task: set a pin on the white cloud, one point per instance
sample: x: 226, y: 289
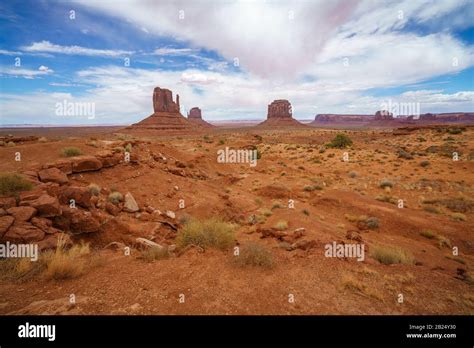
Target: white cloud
x: 46, y: 46
x: 168, y: 51
x: 25, y: 73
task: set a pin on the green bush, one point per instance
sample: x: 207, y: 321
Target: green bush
x: 71, y: 151
x: 115, y: 197
x: 11, y: 184
x: 340, y: 141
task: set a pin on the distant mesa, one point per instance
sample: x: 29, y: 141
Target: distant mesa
x: 385, y: 118
x: 195, y: 117
x: 280, y: 114
x: 383, y: 115
x: 166, y: 114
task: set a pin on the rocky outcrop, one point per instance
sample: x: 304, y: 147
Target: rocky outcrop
x: 322, y: 119
x: 166, y: 115
x: 195, y: 112
x: 279, y: 108
x: 195, y: 117
x: 280, y: 115
x: 53, y: 174
x: 383, y: 115
x: 163, y: 101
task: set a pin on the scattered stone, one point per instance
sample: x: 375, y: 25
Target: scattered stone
x: 170, y: 214
x: 46, y: 205
x: 85, y: 164
x: 22, y: 214
x: 23, y: 232
x: 112, y: 209
x: 80, y: 195
x: 53, y: 175
x: 5, y: 223
x: 77, y: 221
x: 7, y: 202
x: 148, y: 243
x: 130, y: 205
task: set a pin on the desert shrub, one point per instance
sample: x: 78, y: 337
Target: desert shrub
x: 305, y: 212
x: 66, y: 264
x: 94, y: 189
x: 42, y: 140
x: 390, y: 255
x: 71, y: 151
x: 458, y: 217
x: 424, y: 163
x: 207, y: 233
x: 322, y: 149
x: 350, y: 282
x: 353, y: 174
x: 428, y: 234
x: 458, y: 205
x: 253, y: 254
x: 432, y: 210
x: 276, y: 206
x: 115, y: 197
x: 154, y: 253
x: 372, y: 223
x: 12, y: 183
x: 267, y: 212
x: 310, y: 188
x: 386, y: 199
x: 281, y: 225
x: 340, y: 141
x: 385, y: 183
x: 128, y: 148
x: 221, y: 141
x: 404, y: 154
x: 454, y: 130
x: 443, y: 242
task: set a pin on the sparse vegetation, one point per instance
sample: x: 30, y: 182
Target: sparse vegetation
x: 390, y: 255
x: 71, y: 151
x: 115, y: 197
x: 458, y: 217
x: 254, y: 254
x: 66, y: 264
x: 207, y: 233
x: 428, y: 234
x: 94, y: 189
x: 281, y: 225
x: 424, y: 163
x: 385, y: 183
x: 340, y: 141
x: 154, y: 253
x: 11, y: 184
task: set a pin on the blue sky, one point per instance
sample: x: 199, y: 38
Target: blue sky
x: 232, y: 58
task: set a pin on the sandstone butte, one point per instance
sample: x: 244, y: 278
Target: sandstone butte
x: 195, y: 117
x: 280, y: 115
x: 166, y: 114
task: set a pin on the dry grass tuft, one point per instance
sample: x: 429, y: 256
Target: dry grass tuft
x: 207, y: 233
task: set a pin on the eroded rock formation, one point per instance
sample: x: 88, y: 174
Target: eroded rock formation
x: 195, y: 116
x: 280, y: 114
